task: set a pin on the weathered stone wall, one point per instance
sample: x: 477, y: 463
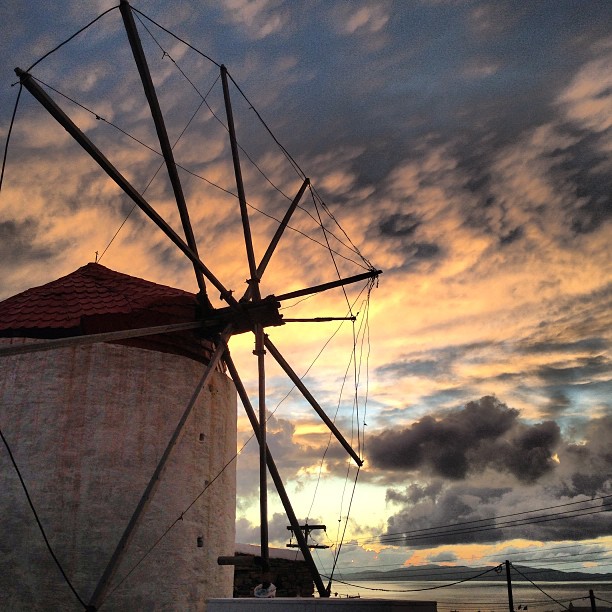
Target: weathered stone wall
x: 87, y: 427
x: 291, y: 578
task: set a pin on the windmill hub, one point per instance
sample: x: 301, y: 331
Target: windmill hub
x: 244, y: 316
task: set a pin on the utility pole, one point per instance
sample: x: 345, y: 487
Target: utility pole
x: 592, y: 598
x: 509, y: 582
x: 307, y: 529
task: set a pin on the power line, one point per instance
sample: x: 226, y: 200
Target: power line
x: 357, y: 369
x: 425, y: 532
x: 338, y: 404
x: 300, y: 172
x: 157, y: 171
x: 177, y: 37
x: 195, y: 174
x: 433, y: 588
x: 537, y: 587
x: 585, y: 501
x: 504, y: 525
x: 71, y: 37
x: 8, y: 136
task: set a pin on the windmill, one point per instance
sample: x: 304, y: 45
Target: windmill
x: 251, y: 313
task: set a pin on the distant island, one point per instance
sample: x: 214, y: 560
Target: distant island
x: 463, y: 572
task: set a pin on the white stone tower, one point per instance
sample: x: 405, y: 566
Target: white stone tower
x: 87, y: 426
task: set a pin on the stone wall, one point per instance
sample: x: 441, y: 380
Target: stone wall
x: 291, y: 578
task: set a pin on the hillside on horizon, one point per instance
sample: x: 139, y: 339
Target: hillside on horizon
x: 463, y: 572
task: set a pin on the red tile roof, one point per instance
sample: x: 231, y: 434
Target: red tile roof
x: 91, y: 291
x: 94, y: 299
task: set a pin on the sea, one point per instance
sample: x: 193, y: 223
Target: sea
x: 483, y: 596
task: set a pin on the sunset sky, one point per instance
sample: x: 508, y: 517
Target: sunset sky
x: 465, y: 147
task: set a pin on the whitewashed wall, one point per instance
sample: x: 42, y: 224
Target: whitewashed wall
x: 87, y: 427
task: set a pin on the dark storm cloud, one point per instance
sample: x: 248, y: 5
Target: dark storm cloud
x: 452, y: 506
x: 576, y: 160
x: 582, y: 477
x: 587, y: 465
x: 415, y: 493
x: 402, y: 229
x: 438, y: 362
x: 580, y: 171
x: 277, y: 530
x: 587, y: 526
x: 392, y: 114
x: 589, y: 168
x: 584, y: 344
x: 444, y: 557
x: 423, y: 250
x: 512, y: 236
x: 418, y: 367
x: 488, y: 515
x: 528, y: 454
x: 283, y: 450
x: 587, y: 369
x: 399, y: 225
x: 486, y: 433
x: 558, y: 402
x: 246, y: 532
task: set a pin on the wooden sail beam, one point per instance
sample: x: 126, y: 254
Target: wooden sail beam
x: 162, y: 133
x: 319, y: 319
x: 60, y: 116
x: 278, y: 482
x: 244, y: 214
x: 55, y: 343
x: 263, y: 472
x: 325, y: 286
x: 265, y: 260
x: 255, y: 295
x: 134, y: 522
x: 244, y: 317
x: 311, y: 400
x: 49, y: 345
